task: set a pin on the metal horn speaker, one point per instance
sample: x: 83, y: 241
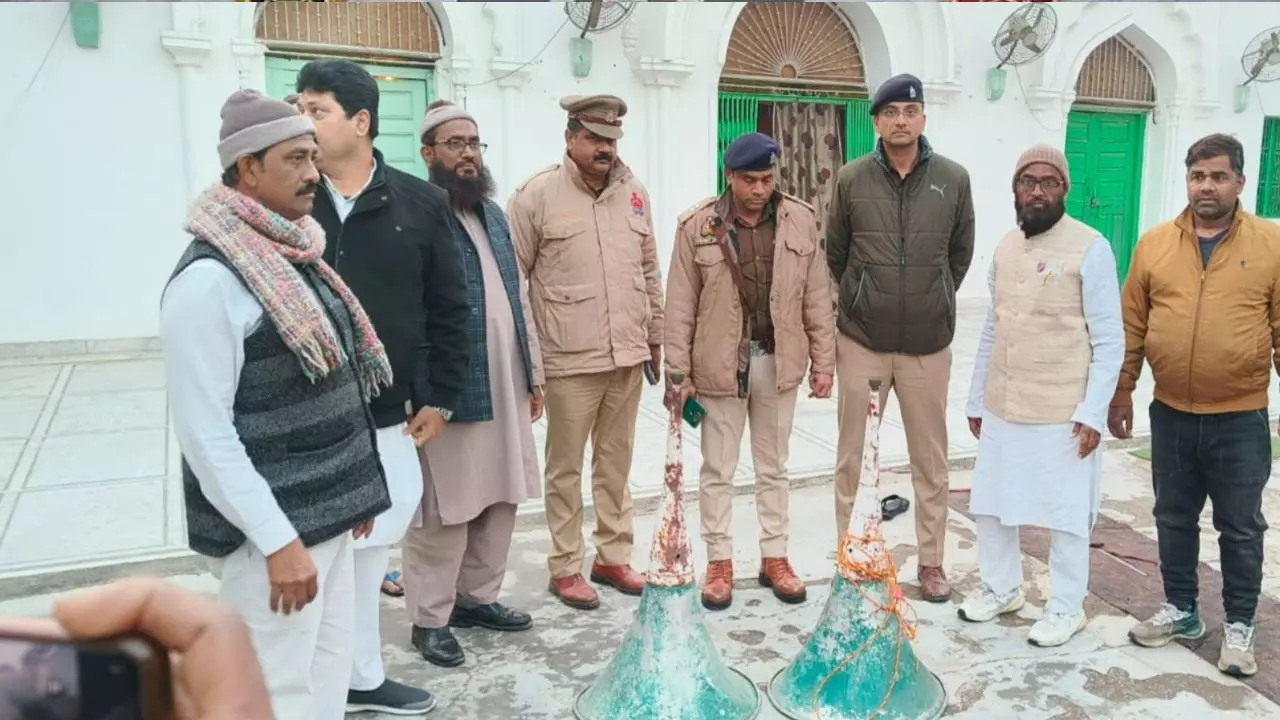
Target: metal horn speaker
x: 667, y: 667
x: 860, y: 663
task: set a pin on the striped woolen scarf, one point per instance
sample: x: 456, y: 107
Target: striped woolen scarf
x: 264, y: 248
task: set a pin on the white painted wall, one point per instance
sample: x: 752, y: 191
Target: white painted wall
x: 97, y: 147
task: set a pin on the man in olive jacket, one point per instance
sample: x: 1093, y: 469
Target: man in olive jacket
x: 899, y: 241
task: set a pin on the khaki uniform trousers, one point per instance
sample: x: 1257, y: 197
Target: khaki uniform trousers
x: 770, y: 414
x: 920, y: 383
x: 602, y: 407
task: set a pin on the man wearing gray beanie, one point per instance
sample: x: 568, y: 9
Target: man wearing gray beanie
x: 271, y: 362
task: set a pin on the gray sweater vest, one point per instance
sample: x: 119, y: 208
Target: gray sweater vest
x: 314, y: 443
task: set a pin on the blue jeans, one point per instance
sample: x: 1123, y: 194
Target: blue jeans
x: 1224, y: 457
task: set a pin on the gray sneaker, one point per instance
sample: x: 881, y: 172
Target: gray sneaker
x: 1168, y: 624
x: 1236, y: 657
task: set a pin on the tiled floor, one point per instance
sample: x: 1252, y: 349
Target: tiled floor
x: 989, y: 670
x: 85, y: 449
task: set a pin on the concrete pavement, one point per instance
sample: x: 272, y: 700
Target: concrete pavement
x: 990, y: 671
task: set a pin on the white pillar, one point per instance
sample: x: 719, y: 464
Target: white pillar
x: 510, y: 75
x: 661, y: 77
x: 250, y: 58
x: 457, y: 70
x: 188, y: 48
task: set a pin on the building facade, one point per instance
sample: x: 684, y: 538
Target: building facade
x: 111, y: 123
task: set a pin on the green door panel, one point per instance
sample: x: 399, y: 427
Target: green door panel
x: 404, y: 93
x: 860, y: 131
x: 1268, y: 205
x: 740, y: 113
x: 1104, y: 150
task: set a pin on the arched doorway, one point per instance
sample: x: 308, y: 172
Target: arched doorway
x: 398, y: 43
x: 1106, y: 134
x: 794, y: 71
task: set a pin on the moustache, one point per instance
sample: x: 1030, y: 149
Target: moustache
x: 308, y: 189
x: 603, y: 157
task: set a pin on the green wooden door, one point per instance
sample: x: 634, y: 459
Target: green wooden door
x: 1104, y: 150
x: 860, y: 130
x: 740, y: 114
x: 404, y: 93
x: 1269, y: 170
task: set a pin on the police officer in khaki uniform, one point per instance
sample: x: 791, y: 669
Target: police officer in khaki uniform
x: 583, y: 234
x: 748, y: 313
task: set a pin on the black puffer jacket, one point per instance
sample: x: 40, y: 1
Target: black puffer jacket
x: 899, y: 248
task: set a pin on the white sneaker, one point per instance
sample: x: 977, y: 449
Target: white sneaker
x: 1237, y: 650
x: 1056, y: 629
x: 987, y: 605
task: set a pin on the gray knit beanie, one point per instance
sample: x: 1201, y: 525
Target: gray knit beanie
x: 252, y: 121
x: 1047, y: 155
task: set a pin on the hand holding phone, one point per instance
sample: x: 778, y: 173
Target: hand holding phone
x: 107, y: 656
x: 650, y: 376
x: 693, y: 412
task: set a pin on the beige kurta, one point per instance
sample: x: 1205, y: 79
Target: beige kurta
x: 473, y: 465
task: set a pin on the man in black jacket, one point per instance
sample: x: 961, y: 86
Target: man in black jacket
x: 391, y: 238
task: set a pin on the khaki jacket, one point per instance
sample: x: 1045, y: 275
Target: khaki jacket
x: 592, y: 263
x: 704, y: 308
x: 1210, y: 334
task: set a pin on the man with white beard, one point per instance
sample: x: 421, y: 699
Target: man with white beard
x: 1046, y: 368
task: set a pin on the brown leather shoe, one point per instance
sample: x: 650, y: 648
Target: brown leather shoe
x: 717, y: 593
x: 776, y: 573
x: 619, y: 577
x: 575, y: 592
x: 934, y: 587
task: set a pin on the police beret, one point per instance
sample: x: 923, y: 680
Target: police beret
x: 899, y: 88
x: 751, y: 152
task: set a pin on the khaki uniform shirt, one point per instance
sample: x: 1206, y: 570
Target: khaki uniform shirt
x: 594, y: 280
x: 705, y: 310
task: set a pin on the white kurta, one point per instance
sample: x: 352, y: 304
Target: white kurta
x: 1032, y: 474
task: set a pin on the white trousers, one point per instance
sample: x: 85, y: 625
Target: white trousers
x: 1000, y: 563
x: 306, y: 655
x: 404, y: 482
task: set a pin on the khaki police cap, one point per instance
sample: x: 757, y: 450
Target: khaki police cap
x: 601, y: 114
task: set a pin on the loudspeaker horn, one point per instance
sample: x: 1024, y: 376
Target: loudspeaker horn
x: 667, y: 667
x: 860, y: 663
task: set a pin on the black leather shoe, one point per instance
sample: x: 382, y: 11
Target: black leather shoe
x: 494, y: 616
x: 438, y: 646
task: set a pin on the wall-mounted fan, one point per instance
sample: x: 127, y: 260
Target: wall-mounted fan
x: 596, y: 16
x: 1261, y: 62
x: 1022, y: 37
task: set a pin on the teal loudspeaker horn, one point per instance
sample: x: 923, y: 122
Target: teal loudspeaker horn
x: 859, y: 664
x: 667, y: 667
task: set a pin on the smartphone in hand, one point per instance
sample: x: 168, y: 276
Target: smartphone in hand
x: 650, y: 375
x: 694, y: 412
x: 125, y: 678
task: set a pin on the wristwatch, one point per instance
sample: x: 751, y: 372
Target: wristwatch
x: 446, y: 414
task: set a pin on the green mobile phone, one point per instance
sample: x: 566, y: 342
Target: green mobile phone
x: 694, y: 412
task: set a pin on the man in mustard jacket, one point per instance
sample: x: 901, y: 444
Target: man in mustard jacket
x: 1201, y: 305
x: 748, y: 312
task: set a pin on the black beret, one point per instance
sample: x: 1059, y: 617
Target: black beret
x: 899, y: 88
x: 751, y: 152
